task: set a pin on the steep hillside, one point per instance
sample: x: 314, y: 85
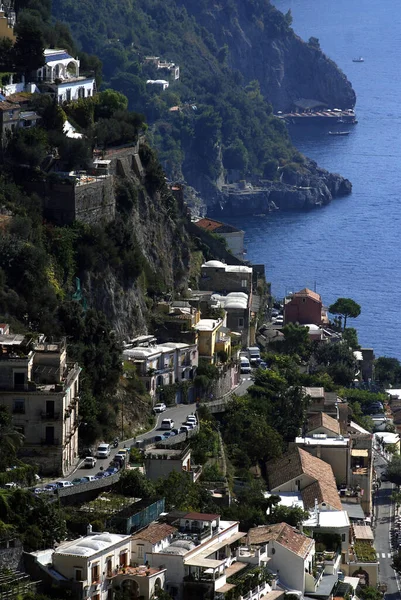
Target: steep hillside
x: 236, y: 58
x: 263, y: 46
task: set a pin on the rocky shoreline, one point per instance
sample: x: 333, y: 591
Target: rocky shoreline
x: 304, y: 190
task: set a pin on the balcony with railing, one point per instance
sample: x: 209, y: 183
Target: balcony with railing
x: 49, y: 416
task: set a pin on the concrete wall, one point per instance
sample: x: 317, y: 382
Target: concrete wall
x: 229, y: 378
x: 10, y: 554
x: 95, y: 202
x: 219, y: 280
x: 63, y: 203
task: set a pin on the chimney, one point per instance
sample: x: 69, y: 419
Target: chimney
x: 89, y: 529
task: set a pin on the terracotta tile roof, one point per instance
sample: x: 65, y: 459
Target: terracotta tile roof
x: 299, y: 462
x: 195, y: 516
x: 8, y: 106
x: 22, y: 97
x: 323, y: 420
x: 155, y: 532
x: 307, y: 293
x: 283, y: 534
x: 216, y: 226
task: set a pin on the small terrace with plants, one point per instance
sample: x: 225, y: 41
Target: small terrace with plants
x: 326, y: 562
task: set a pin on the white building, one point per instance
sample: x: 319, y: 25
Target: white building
x: 291, y: 554
x: 162, y: 83
x: 94, y: 565
x: 203, y: 554
x: 60, y: 76
x: 160, y: 365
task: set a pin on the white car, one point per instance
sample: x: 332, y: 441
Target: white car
x: 167, y: 424
x: 103, y: 451
x: 90, y: 462
x: 63, y: 484
x: 159, y: 408
x: 192, y: 419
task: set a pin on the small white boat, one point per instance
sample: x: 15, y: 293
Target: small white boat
x: 339, y: 132
x: 360, y: 59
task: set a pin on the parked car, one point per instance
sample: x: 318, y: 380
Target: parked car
x: 38, y: 491
x: 103, y: 451
x: 262, y: 365
x: 112, y: 470
x: 245, y: 365
x: 50, y: 487
x: 100, y: 475
x: 88, y: 478
x: 167, y: 424
x: 184, y: 428
x: 77, y: 480
x: 159, y: 408
x: 160, y: 438
x: 90, y: 462
x: 63, y: 484
x: 190, y: 425
x: 175, y: 431
x: 192, y: 419
x: 278, y: 320
x: 11, y: 485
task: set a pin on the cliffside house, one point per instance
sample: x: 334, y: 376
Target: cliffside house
x: 160, y: 365
x: 178, y: 322
x: 219, y: 277
x: 41, y: 390
x: 12, y: 116
x: 305, y: 307
x: 233, y: 236
x: 96, y: 566
x: 238, y: 314
x: 212, y: 338
x: 60, y: 77
x: 167, y: 67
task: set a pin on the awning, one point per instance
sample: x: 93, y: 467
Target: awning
x: 363, y: 532
x: 354, y: 510
x: 226, y: 542
x: 201, y: 561
x: 358, y: 452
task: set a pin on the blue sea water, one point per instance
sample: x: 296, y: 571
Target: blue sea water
x: 352, y: 247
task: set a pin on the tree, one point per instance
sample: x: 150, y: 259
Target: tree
x: 296, y: 341
x: 294, y: 515
x: 388, y: 370
x: 346, y: 308
x: 393, y: 471
x: 314, y: 42
x: 397, y: 561
x: 30, y: 43
x: 10, y: 439
x: 134, y: 483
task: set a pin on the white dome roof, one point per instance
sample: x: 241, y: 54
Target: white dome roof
x: 214, y: 263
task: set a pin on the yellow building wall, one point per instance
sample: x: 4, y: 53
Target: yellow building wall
x: 5, y: 30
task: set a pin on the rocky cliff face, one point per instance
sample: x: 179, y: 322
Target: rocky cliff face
x: 163, y: 241
x: 307, y: 189
x: 261, y: 46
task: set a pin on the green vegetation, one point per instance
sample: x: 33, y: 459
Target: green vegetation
x: 222, y: 121
x: 365, y: 552
x: 345, y: 308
